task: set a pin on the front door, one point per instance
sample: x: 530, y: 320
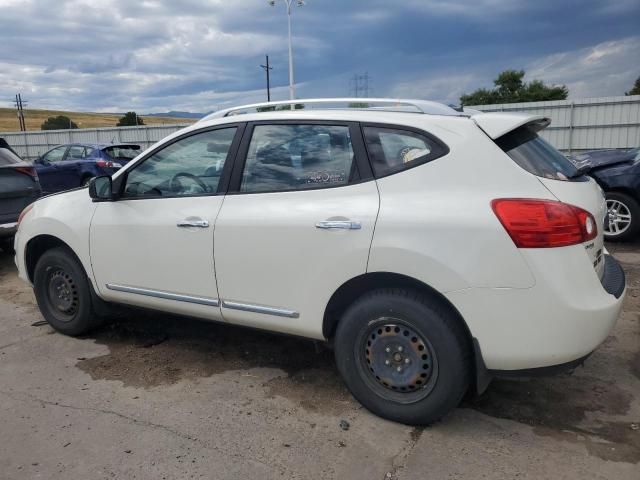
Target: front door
x: 49, y: 169
x: 154, y: 246
x: 298, y: 226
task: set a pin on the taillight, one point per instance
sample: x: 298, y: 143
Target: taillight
x: 544, y: 223
x: 104, y: 163
x: 31, y: 171
x: 24, y: 212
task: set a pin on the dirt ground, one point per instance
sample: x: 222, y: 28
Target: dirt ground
x: 163, y: 397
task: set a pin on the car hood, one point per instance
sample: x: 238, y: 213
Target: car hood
x: 604, y: 158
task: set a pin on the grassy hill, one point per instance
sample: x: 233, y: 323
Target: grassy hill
x: 35, y: 118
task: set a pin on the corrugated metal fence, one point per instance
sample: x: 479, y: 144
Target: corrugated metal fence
x: 584, y: 124
x: 30, y: 145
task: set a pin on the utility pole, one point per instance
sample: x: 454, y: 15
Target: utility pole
x: 20, y: 111
x: 360, y: 85
x: 266, y: 69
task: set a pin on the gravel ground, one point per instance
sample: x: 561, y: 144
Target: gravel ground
x: 157, y: 396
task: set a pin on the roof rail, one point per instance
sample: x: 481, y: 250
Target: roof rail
x: 388, y: 104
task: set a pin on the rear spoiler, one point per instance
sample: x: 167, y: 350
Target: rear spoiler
x: 497, y: 124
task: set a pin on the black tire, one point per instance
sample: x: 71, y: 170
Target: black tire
x: 6, y: 245
x: 63, y: 293
x: 633, y: 208
x: 441, y: 343
x: 85, y: 180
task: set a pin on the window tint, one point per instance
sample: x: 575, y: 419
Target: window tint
x: 190, y: 166
x: 55, y: 155
x: 535, y: 155
x: 298, y: 157
x: 75, y: 152
x: 392, y: 150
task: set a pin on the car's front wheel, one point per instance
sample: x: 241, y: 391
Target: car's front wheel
x: 63, y: 293
x: 403, y: 355
x: 623, y: 217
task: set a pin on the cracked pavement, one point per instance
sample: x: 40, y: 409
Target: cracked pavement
x: 154, y: 396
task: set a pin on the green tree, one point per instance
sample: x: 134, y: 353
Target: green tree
x: 510, y: 87
x: 130, y: 119
x: 636, y: 88
x: 61, y: 122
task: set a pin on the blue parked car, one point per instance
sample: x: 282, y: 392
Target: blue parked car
x: 71, y: 166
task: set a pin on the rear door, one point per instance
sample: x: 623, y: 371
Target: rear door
x: 297, y: 223
x: 48, y: 168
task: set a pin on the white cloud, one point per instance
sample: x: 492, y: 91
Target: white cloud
x: 609, y: 68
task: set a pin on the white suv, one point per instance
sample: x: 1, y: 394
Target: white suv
x: 432, y: 248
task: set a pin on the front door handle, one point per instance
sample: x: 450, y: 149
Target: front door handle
x: 194, y: 223
x: 343, y: 224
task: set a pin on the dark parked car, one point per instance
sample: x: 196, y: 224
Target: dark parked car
x: 19, y: 187
x: 70, y: 166
x: 618, y: 174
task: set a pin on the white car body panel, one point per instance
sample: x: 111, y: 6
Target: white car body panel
x: 136, y: 244
x: 270, y: 253
x: 527, y: 308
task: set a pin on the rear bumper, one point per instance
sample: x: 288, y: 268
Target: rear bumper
x: 566, y: 315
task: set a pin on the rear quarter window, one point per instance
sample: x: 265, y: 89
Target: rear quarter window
x: 393, y: 149
x: 536, y: 155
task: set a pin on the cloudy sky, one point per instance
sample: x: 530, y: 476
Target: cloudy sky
x: 200, y: 55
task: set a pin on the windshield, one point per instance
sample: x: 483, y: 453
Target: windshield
x: 536, y: 156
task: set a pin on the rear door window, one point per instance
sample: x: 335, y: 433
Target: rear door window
x: 298, y: 157
x: 394, y: 149
x: 536, y: 155
x: 76, y: 152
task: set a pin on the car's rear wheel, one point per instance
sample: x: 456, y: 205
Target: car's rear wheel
x: 63, y: 293
x: 623, y: 221
x: 85, y: 181
x: 6, y: 245
x: 403, y: 355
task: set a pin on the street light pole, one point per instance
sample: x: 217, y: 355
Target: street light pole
x: 292, y: 89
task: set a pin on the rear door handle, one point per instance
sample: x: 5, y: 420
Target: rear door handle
x: 193, y: 223
x: 343, y: 224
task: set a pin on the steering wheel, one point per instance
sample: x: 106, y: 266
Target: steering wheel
x: 174, y: 182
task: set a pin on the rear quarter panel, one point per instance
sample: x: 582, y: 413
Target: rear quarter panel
x: 436, y: 223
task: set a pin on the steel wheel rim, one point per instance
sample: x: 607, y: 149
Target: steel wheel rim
x: 619, y: 218
x: 62, y: 294
x: 397, y: 361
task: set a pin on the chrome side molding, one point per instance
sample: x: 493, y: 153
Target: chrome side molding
x: 212, y: 302
x: 246, y: 307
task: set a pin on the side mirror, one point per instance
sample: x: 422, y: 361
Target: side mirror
x: 101, y: 188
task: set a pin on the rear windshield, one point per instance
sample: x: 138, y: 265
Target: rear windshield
x: 536, y: 156
x: 7, y: 157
